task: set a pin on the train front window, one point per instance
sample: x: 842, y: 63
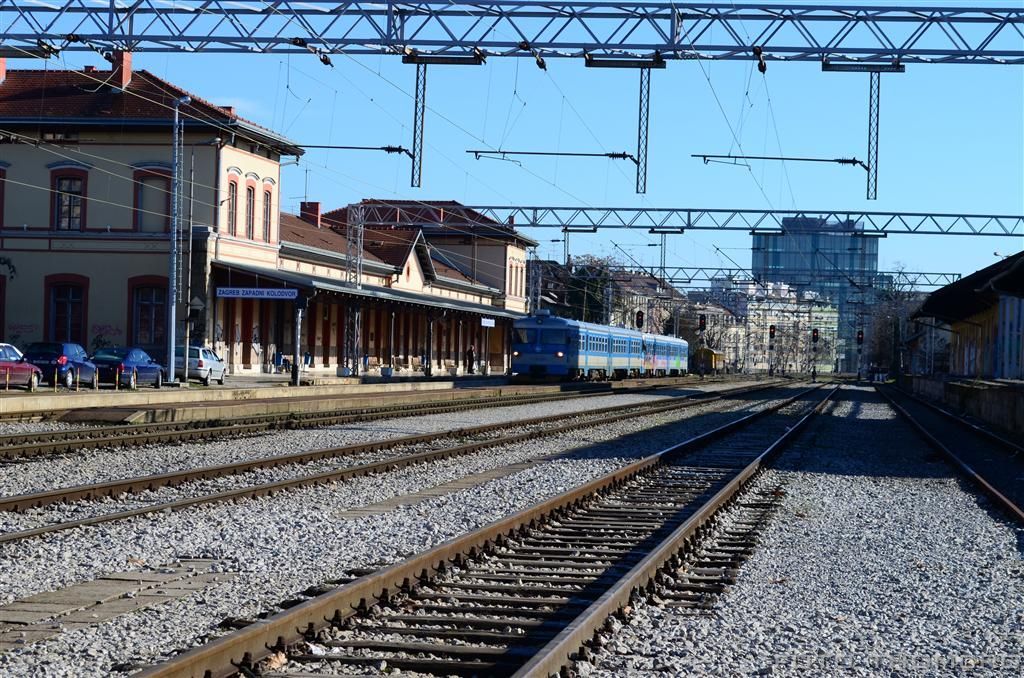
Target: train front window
x: 552, y: 337
x: 524, y: 336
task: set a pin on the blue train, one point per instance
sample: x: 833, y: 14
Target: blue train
x: 547, y: 346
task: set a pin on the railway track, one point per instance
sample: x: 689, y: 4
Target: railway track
x: 18, y: 446
x: 479, y: 438
x: 992, y: 462
x: 523, y: 596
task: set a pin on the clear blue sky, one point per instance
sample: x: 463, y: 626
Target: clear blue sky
x: 952, y: 140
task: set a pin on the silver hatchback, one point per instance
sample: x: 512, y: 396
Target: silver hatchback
x: 203, y: 364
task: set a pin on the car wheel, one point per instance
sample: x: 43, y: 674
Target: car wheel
x: 205, y: 379
x: 133, y: 382
x: 159, y: 379
x: 221, y: 380
x: 69, y: 380
x: 95, y: 380
x: 33, y: 383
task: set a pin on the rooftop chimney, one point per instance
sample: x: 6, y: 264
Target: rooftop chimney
x: 230, y: 110
x: 122, y: 68
x: 3, y: 69
x: 310, y: 213
x: 90, y: 69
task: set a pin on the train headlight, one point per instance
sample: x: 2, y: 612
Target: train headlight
x: 559, y: 354
x: 515, y: 354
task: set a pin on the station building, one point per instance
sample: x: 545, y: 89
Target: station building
x: 984, y: 312
x: 85, y: 226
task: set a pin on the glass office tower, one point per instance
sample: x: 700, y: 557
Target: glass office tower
x: 836, y: 260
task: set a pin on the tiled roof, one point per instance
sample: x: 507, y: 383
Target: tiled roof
x: 446, y: 270
x: 295, y: 230
x: 93, y: 97
x: 436, y: 217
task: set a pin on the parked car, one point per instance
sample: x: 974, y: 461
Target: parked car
x: 15, y: 371
x: 61, y: 362
x: 203, y: 364
x: 128, y: 366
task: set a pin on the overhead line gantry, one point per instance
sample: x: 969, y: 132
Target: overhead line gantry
x: 642, y: 35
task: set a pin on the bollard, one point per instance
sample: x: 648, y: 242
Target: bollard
x: 117, y: 378
x: 54, y: 379
x: 7, y: 385
x: 78, y: 375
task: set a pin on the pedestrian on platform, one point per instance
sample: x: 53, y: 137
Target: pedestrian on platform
x: 471, y: 358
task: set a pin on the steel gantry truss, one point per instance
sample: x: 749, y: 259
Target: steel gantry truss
x: 634, y: 34
x: 678, y: 220
x: 688, y: 275
x: 527, y: 28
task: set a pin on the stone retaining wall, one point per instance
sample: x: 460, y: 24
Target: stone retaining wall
x: 997, y: 404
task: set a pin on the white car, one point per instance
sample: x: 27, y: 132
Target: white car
x: 203, y: 364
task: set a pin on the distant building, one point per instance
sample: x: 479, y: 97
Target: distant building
x: 836, y: 260
x: 985, y: 313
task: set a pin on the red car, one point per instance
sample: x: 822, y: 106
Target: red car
x: 14, y: 371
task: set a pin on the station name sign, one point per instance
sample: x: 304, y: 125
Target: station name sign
x: 257, y: 293
x: 486, y: 322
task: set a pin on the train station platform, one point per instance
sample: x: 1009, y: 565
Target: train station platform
x: 259, y: 397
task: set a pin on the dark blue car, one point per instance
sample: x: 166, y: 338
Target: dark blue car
x: 128, y: 366
x: 63, y: 363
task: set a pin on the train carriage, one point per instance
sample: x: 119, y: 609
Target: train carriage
x: 546, y: 346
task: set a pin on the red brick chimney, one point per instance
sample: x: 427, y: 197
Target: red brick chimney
x: 230, y: 110
x: 310, y: 213
x: 3, y: 69
x: 122, y: 69
x: 90, y: 69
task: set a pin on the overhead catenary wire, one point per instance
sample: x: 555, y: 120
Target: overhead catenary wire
x: 214, y: 123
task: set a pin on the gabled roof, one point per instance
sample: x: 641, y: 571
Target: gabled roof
x: 978, y: 291
x: 83, y: 97
x: 434, y: 217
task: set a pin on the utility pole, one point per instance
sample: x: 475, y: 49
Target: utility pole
x: 172, y: 270
x: 354, y: 232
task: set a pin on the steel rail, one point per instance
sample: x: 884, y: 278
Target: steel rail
x: 246, y: 646
x: 955, y: 460
x: 559, y: 653
x: 113, y: 488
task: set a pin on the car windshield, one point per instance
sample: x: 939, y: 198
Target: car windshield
x: 524, y: 336
x: 44, y: 348
x: 111, y: 354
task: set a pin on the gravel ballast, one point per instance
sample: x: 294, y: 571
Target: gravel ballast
x: 284, y: 544
x: 879, y: 562
x: 95, y: 466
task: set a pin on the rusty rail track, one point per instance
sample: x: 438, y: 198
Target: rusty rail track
x: 526, y: 593
x: 986, y: 459
x: 131, y: 485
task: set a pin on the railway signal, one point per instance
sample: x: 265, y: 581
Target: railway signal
x: 702, y: 322
x: 860, y: 337
x: 771, y: 331
x: 814, y: 335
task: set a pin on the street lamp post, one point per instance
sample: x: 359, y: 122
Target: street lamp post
x: 172, y: 271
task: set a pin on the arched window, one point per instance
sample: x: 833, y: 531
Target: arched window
x: 66, y: 308
x: 232, y: 225
x: 149, y: 317
x: 250, y: 212
x: 68, y: 186
x: 152, y: 201
x: 267, y: 206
